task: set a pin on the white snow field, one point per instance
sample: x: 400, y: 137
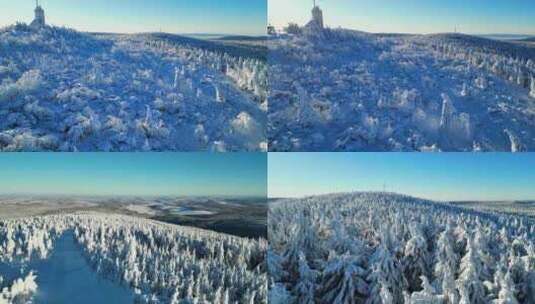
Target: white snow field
x: 93, y: 258
x: 387, y: 248
x: 344, y: 90
x: 63, y: 90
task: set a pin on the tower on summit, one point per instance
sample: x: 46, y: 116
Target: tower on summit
x: 317, y: 17
x: 39, y: 20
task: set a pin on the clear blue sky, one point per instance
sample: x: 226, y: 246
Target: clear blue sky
x: 182, y: 174
x: 448, y: 176
x: 414, y: 16
x: 247, y: 17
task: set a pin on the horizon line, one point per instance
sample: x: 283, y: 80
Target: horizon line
x: 143, y: 32
x: 411, y: 33
x: 399, y: 193
x: 135, y: 195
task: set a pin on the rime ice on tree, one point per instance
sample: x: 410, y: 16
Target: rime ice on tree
x: 442, y: 255
x: 39, y: 20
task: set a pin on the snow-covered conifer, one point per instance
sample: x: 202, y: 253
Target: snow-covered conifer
x: 470, y: 277
x: 306, y: 288
x: 416, y: 258
x: 343, y: 280
x: 372, y: 235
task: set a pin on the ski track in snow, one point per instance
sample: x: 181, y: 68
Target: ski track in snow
x: 61, y: 90
x: 342, y: 90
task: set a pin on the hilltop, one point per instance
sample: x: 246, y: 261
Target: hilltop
x: 388, y: 248
x: 345, y: 90
x: 63, y: 90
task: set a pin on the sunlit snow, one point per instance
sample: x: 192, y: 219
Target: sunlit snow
x: 344, y: 90
x: 62, y: 90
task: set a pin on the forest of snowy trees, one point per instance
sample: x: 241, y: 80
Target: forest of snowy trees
x: 62, y: 90
x: 20, y: 291
x: 345, y: 90
x: 513, y: 63
x: 383, y: 248
x: 161, y: 263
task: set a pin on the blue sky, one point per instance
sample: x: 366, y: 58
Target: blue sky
x: 448, y: 176
x: 247, y: 17
x: 414, y: 16
x: 183, y: 174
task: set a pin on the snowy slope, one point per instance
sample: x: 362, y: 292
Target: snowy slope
x: 388, y: 248
x: 352, y: 91
x: 70, y: 91
x: 160, y: 263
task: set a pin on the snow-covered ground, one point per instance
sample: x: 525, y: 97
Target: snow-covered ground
x: 62, y: 90
x: 141, y: 209
x: 189, y: 211
x: 159, y: 263
x: 387, y: 248
x: 343, y: 90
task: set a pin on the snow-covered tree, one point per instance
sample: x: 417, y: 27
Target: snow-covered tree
x: 385, y: 277
x: 428, y: 294
x: 507, y: 291
x: 162, y: 263
x: 278, y: 294
x: 416, y: 258
x: 306, y: 288
x: 343, y: 280
x: 470, y: 278
x: 21, y: 291
x: 377, y: 241
x: 446, y: 264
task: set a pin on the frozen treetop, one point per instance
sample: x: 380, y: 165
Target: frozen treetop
x: 379, y: 248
